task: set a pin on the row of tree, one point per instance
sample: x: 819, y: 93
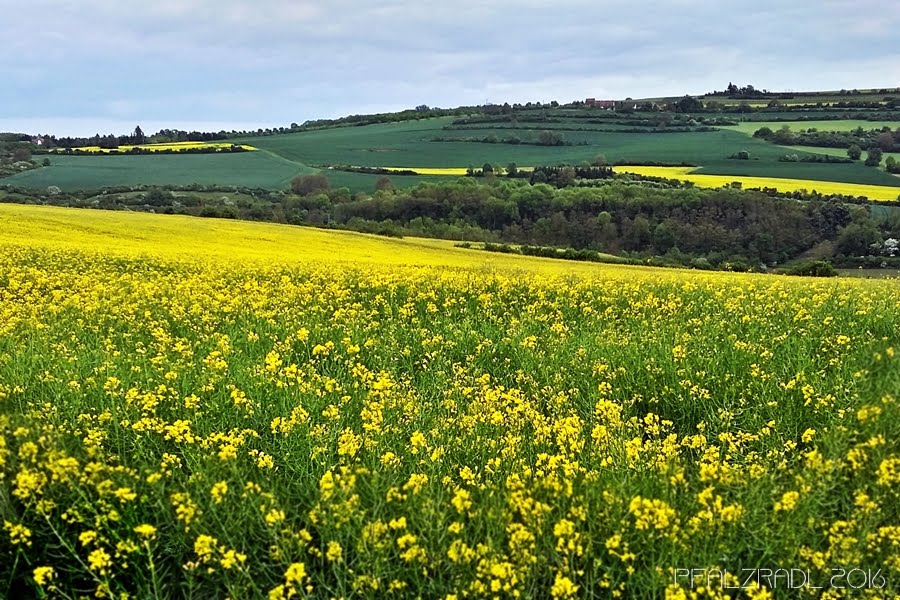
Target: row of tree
x: 614, y: 217
x: 883, y: 139
x: 617, y: 216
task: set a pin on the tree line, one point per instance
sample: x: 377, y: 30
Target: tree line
x: 616, y: 216
x: 623, y: 216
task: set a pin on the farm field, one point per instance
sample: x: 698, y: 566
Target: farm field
x: 142, y: 235
x: 251, y: 169
x: 280, y: 158
x: 261, y: 411
x: 836, y: 152
x: 409, y: 144
x: 176, y: 146
x: 826, y: 97
x: 703, y: 179
x: 749, y: 127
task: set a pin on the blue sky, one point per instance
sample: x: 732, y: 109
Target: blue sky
x: 78, y: 67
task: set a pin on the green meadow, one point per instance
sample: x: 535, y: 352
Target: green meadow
x: 414, y: 144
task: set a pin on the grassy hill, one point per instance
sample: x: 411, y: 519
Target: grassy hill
x: 704, y: 140
x: 251, y: 169
x: 174, y: 237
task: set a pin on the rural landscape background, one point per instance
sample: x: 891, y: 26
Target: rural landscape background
x: 635, y: 338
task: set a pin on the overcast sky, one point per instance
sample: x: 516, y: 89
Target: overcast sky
x: 79, y: 67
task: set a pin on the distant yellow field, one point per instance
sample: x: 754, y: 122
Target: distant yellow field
x: 163, y: 147
x: 450, y: 171
x: 873, y: 192
x: 175, y: 237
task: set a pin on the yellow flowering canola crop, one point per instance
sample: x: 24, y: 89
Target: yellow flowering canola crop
x: 206, y: 409
x: 176, y: 146
x: 782, y: 184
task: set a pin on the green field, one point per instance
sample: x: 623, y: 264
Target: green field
x: 750, y: 127
x: 827, y: 97
x: 834, y: 151
x: 251, y: 169
x: 410, y: 144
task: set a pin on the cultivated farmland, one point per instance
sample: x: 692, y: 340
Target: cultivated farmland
x: 256, y: 411
x: 253, y: 169
x: 444, y: 142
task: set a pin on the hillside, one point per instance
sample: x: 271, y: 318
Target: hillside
x: 708, y: 140
x: 174, y: 237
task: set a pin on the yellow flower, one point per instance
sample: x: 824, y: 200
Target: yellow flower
x: 231, y: 558
x: 274, y: 517
x: 205, y: 545
x: 18, y: 534
x: 277, y: 593
x: 788, y: 501
x: 145, y: 531
x: 295, y: 573
x: 563, y: 587
x: 86, y: 537
x: 462, y: 500
x: 218, y: 491
x: 99, y: 560
x: 889, y: 472
x: 334, y: 552
x: 125, y: 494
x: 44, y: 575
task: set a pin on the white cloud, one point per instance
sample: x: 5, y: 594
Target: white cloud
x: 277, y: 61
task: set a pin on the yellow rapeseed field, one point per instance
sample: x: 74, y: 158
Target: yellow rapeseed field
x: 176, y: 146
x: 209, y: 409
x: 873, y: 192
x: 172, y: 237
x: 450, y: 171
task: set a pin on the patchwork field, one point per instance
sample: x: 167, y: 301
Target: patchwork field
x: 279, y: 158
x: 251, y: 169
x: 749, y: 127
x: 215, y: 409
x: 174, y: 146
x: 702, y: 179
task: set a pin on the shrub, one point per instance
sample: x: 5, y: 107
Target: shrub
x: 873, y: 158
x: 815, y: 268
x: 305, y: 185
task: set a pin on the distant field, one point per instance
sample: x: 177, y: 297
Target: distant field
x: 834, y: 151
x: 175, y: 146
x: 702, y: 179
x: 825, y: 98
x: 279, y: 158
x: 181, y: 238
x: 841, y: 125
x: 251, y: 169
x: 398, y: 144
x: 410, y: 143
